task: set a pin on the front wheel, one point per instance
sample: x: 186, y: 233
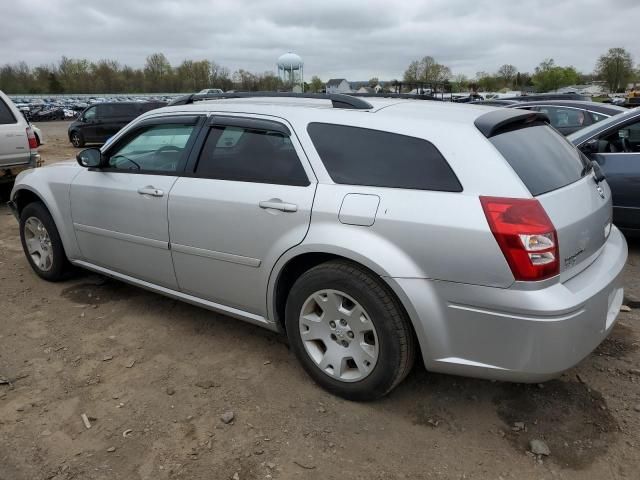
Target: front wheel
x: 349, y: 331
x: 77, y: 140
x: 41, y: 243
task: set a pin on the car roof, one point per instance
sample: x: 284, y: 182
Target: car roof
x: 313, y: 108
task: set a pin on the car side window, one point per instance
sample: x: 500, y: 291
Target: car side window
x: 89, y: 114
x: 361, y: 156
x: 6, y: 116
x: 565, y: 117
x: 246, y: 154
x: 157, y: 148
x: 624, y: 139
x: 598, y: 117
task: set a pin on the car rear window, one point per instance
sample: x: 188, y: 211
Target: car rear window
x: 5, y: 114
x: 542, y: 158
x: 361, y: 156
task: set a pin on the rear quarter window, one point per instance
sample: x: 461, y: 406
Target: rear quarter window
x: 361, y: 156
x: 542, y: 158
x: 6, y: 116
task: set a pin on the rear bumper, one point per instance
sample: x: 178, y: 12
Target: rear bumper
x: 9, y: 172
x: 518, y: 335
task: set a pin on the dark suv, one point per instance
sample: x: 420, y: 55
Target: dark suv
x: 97, y: 123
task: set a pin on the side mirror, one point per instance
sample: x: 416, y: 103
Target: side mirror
x: 90, y: 158
x: 590, y: 147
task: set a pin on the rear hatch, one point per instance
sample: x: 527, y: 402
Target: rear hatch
x: 14, y: 144
x: 561, y: 179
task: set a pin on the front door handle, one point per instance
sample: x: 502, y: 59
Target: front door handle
x: 277, y: 204
x: 151, y: 190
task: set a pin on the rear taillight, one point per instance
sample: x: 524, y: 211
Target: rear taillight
x: 33, y: 141
x: 525, y: 235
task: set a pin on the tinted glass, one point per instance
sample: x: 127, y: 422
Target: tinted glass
x: 624, y: 139
x: 247, y: 155
x: 155, y: 149
x: 5, y: 114
x: 117, y: 110
x: 90, y: 113
x: 598, y: 117
x: 542, y: 158
x: 565, y: 117
x: 360, y: 156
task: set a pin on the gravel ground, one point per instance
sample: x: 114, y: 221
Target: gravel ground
x: 155, y: 377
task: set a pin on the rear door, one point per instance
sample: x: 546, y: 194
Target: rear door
x: 557, y: 174
x: 246, y: 200
x: 14, y: 145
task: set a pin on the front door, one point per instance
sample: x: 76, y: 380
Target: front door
x: 89, y: 121
x: 120, y: 211
x: 619, y: 157
x: 238, y: 209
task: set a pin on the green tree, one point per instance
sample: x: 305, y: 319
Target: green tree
x: 459, y: 83
x: 316, y: 84
x: 548, y: 76
x: 616, y: 68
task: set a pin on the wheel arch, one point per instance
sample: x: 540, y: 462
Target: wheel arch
x: 24, y: 194
x: 297, y: 261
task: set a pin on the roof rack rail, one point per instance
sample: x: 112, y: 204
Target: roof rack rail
x: 338, y: 100
x: 410, y: 96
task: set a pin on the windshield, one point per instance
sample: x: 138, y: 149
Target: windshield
x: 585, y: 133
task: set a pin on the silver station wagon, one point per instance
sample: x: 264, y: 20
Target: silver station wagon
x: 368, y: 230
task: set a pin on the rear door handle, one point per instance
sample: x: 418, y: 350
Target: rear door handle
x: 277, y: 204
x: 151, y: 190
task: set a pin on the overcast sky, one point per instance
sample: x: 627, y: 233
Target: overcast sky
x: 335, y: 38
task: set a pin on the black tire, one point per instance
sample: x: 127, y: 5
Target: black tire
x: 397, y: 344
x: 60, y: 266
x: 77, y: 139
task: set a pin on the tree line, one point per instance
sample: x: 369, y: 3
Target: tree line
x: 615, y: 68
x: 71, y: 75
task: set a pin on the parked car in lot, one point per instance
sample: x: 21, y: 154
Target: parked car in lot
x: 366, y: 230
x: 102, y: 120
x: 568, y: 116
x: 615, y: 144
x: 18, y: 143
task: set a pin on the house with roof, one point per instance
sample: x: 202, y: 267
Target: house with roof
x: 338, y: 85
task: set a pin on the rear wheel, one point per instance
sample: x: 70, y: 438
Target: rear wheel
x: 41, y: 243
x: 77, y: 140
x: 349, y: 331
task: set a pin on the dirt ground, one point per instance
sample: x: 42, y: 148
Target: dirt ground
x: 154, y: 377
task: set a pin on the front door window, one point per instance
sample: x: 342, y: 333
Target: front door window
x: 158, y: 148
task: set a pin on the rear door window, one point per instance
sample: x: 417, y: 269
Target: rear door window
x: 5, y: 114
x: 245, y: 154
x: 361, y: 156
x: 542, y: 158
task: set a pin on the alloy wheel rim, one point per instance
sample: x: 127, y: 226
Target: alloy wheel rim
x: 38, y: 243
x: 75, y: 139
x: 338, y: 335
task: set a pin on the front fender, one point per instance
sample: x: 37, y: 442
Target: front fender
x: 51, y: 185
